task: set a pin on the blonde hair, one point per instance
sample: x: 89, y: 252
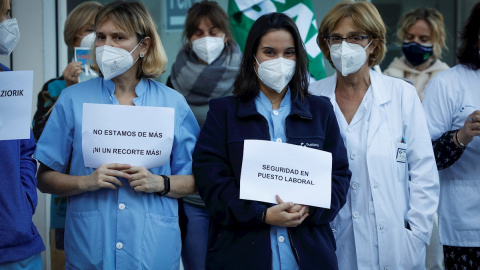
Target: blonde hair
x: 133, y: 17
x: 434, y: 19
x: 78, y: 18
x: 4, y: 6
x: 365, y: 17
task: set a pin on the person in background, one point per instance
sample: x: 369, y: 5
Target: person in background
x: 119, y: 216
x: 78, y: 32
x: 422, y: 35
x: 452, y: 108
x: 210, y: 59
x: 20, y: 243
x: 388, y: 217
x: 270, y: 102
x: 205, y: 68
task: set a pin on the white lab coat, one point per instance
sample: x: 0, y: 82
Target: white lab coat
x: 396, y: 115
x: 449, y: 99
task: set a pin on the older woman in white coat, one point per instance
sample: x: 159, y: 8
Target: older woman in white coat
x: 387, y: 220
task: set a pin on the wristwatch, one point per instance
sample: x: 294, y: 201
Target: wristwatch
x: 166, y: 185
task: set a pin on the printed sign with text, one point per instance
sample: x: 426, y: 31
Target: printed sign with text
x: 15, y: 104
x: 135, y: 135
x: 297, y: 174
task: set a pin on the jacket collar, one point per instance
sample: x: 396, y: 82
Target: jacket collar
x: 246, y: 107
x: 380, y: 96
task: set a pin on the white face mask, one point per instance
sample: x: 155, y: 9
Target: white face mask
x: 88, y: 40
x: 276, y: 73
x: 114, y: 61
x: 9, y: 36
x: 208, y: 48
x: 348, y: 58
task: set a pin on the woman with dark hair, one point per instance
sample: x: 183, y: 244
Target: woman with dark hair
x: 452, y: 107
x: 205, y: 68
x: 210, y: 59
x: 270, y: 102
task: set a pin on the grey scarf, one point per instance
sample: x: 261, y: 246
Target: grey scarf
x: 199, y: 83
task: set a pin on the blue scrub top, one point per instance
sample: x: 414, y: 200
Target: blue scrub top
x: 118, y: 229
x: 282, y: 253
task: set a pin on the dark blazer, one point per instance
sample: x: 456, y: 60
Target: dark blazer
x: 237, y: 237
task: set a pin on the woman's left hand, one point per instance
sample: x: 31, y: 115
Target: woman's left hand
x: 295, y: 208
x: 144, y: 181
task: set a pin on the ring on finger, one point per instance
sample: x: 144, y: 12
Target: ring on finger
x: 73, y: 75
x: 470, y: 119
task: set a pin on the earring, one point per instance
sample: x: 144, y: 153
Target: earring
x: 142, y: 55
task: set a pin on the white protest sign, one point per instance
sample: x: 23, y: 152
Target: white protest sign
x: 297, y: 174
x: 15, y: 104
x: 135, y: 135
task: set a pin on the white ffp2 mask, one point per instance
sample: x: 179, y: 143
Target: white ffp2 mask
x: 276, y: 73
x: 208, y: 49
x: 348, y: 58
x: 113, y: 61
x: 9, y: 36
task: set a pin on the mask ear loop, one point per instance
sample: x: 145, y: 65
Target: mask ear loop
x: 368, y: 44
x: 140, y: 56
x: 258, y: 67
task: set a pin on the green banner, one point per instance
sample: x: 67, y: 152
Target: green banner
x: 243, y: 14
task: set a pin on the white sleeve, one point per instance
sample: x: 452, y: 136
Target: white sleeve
x: 422, y: 169
x: 440, y: 102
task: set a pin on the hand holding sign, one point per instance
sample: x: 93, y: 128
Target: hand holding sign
x: 282, y: 214
x: 105, y: 176
x: 71, y: 73
x: 142, y: 180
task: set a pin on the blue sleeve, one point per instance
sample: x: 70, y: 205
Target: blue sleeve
x: 214, y: 177
x: 184, y: 142
x: 28, y: 169
x: 341, y: 175
x: 54, y: 147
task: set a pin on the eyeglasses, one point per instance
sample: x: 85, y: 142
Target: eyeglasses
x: 353, y: 39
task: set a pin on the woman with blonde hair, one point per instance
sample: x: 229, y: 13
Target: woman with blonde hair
x: 387, y: 220
x: 119, y: 216
x: 422, y: 35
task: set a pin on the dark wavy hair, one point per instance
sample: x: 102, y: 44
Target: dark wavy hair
x: 468, y: 52
x: 246, y: 83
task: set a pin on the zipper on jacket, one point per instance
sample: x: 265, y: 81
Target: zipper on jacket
x: 295, y: 252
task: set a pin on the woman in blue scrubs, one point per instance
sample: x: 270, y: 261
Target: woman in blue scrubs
x: 119, y: 216
x: 270, y: 102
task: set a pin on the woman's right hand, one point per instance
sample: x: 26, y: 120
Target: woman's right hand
x: 281, y: 215
x: 71, y: 73
x: 105, y: 176
x: 470, y: 129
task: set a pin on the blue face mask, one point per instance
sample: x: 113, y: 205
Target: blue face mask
x: 415, y: 53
